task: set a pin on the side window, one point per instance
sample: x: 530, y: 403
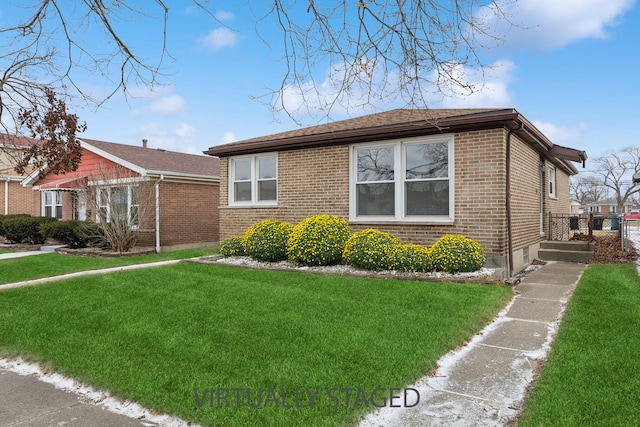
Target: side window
x: 253, y: 180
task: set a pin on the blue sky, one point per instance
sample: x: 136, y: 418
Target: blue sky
x: 568, y: 67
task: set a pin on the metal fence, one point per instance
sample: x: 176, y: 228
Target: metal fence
x: 630, y: 234
x: 566, y: 226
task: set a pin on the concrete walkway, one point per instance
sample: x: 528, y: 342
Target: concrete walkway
x: 482, y: 384
x: 485, y: 382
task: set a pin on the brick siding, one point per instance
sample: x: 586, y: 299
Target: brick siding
x: 316, y: 180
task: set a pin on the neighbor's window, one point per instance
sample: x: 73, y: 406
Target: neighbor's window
x: 52, y: 204
x: 552, y: 181
x: 253, y: 179
x: 408, y: 180
x: 119, y: 204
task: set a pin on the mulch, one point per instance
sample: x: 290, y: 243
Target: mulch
x: 608, y: 250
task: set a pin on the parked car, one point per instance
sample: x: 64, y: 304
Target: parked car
x: 632, y: 216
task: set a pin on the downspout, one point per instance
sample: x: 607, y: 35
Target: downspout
x: 158, y: 213
x: 508, y: 198
x: 6, y: 196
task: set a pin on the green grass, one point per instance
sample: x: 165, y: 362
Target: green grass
x: 155, y: 335
x: 5, y: 251
x: 54, y: 264
x: 592, y: 376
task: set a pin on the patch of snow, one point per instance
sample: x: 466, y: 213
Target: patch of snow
x: 92, y: 396
x: 487, y: 274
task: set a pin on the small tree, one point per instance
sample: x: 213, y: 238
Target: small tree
x: 616, y: 171
x: 118, y: 200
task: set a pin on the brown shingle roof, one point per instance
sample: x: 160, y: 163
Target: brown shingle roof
x: 17, y: 141
x: 158, y: 160
x: 389, y: 124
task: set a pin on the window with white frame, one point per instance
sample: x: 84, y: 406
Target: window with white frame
x: 407, y: 180
x: 551, y: 171
x: 52, y: 204
x: 253, y: 180
x: 119, y: 204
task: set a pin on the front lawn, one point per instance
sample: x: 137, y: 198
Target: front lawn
x: 172, y: 337
x: 55, y: 264
x: 592, y: 376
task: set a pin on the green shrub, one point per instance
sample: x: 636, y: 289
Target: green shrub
x: 267, y: 240
x: 75, y: 234
x: 410, y: 258
x: 370, y: 249
x: 6, y: 217
x: 25, y: 229
x: 456, y: 253
x: 318, y: 240
x: 232, y: 247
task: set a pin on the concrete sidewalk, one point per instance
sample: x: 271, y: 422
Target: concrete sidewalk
x: 485, y: 382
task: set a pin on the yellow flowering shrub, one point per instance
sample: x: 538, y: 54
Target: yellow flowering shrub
x: 410, y: 258
x: 233, y: 246
x: 318, y: 240
x: 266, y: 240
x: 370, y: 249
x: 455, y: 253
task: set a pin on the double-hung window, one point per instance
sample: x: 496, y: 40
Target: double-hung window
x: 552, y: 180
x: 253, y: 180
x: 52, y: 204
x: 406, y: 180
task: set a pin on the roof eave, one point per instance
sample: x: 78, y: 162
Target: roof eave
x: 478, y: 121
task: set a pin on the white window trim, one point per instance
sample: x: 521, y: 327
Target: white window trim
x: 53, y: 203
x: 552, y: 181
x: 108, y: 205
x: 399, y: 166
x: 254, y: 181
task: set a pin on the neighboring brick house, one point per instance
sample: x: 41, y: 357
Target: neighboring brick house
x: 419, y: 174
x: 135, y: 178
x: 14, y: 198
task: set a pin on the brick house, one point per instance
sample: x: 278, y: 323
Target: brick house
x: 14, y: 198
x: 486, y: 173
x: 171, y: 197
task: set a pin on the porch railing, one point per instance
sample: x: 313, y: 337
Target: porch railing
x: 566, y: 226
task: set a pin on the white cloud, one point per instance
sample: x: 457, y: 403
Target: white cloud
x: 550, y: 24
x: 313, y: 98
x: 227, y: 137
x: 220, y: 38
x: 224, y: 15
x: 489, y: 89
x: 167, y: 105
x: 180, y: 138
x: 562, y: 134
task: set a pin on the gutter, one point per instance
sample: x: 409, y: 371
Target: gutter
x: 6, y: 195
x: 157, y: 187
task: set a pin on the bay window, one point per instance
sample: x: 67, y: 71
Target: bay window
x: 406, y: 180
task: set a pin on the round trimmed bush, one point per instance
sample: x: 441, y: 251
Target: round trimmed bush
x: 410, y: 258
x: 318, y: 240
x: 455, y: 253
x: 370, y: 249
x: 233, y: 246
x: 267, y: 240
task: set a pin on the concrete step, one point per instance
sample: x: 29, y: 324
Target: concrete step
x: 564, y: 255
x: 574, y: 245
